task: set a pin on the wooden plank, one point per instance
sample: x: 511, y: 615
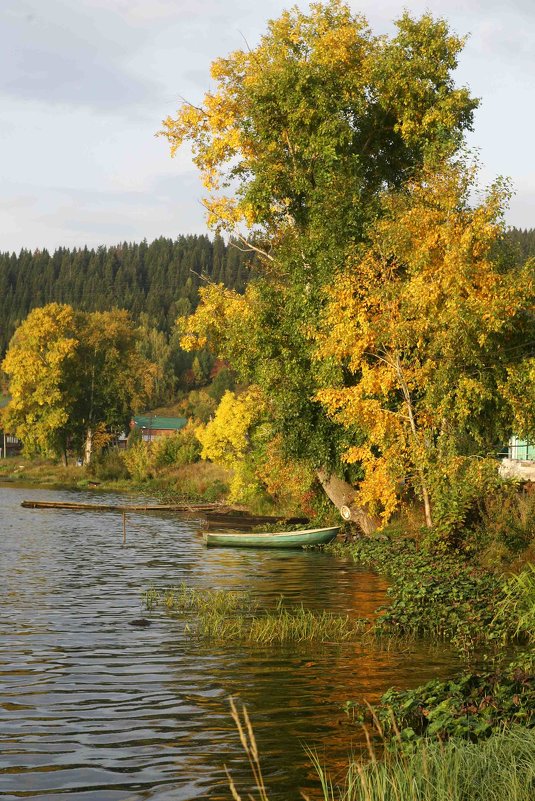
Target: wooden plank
x: 104, y: 507
x: 214, y: 515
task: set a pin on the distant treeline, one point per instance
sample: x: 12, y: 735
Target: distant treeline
x: 523, y: 241
x: 160, y: 279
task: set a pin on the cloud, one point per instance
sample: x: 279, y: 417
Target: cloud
x: 86, y: 83
x: 58, y: 54
x: 73, y: 217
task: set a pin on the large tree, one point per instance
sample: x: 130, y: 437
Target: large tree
x: 313, y: 130
x: 40, y: 355
x: 431, y: 330
x: 72, y: 373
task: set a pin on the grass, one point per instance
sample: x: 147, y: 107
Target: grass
x: 501, y: 768
x: 201, y: 601
x: 201, y: 481
x: 223, y: 615
x: 517, y: 608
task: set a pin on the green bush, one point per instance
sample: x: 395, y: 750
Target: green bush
x: 139, y: 461
x: 438, y: 595
x: 472, y: 706
x: 507, y: 525
x: 216, y: 491
x: 178, y: 449
x: 457, y: 486
x: 109, y: 465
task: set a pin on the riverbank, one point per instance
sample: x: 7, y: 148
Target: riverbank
x: 471, y: 737
x: 445, y: 598
x: 201, y: 481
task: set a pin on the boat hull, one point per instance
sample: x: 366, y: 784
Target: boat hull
x: 276, y: 539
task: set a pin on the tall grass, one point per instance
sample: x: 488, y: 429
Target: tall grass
x: 279, y: 626
x: 501, y: 768
x: 517, y: 609
x: 248, y: 743
x: 200, y: 600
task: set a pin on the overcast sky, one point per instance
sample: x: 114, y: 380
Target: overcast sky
x: 84, y: 85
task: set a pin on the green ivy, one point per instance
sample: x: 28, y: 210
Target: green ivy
x: 471, y: 707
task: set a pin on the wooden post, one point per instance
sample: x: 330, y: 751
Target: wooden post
x: 124, y: 528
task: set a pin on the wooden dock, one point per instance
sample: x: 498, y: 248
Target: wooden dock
x: 214, y: 515
x: 108, y: 507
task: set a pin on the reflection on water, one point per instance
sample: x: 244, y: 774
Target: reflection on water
x: 92, y: 708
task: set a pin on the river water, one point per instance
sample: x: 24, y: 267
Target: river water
x: 93, y: 709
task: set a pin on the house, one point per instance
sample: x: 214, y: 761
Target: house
x: 153, y: 426
x: 520, y: 461
x: 9, y: 445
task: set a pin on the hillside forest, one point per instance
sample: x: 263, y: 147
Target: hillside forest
x: 379, y: 346
x: 356, y: 346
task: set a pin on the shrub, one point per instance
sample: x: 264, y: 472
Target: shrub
x: 457, y: 487
x: 109, y: 465
x: 433, y: 595
x: 507, y: 526
x: 216, y: 491
x: 472, y: 706
x: 178, y: 449
x: 139, y: 461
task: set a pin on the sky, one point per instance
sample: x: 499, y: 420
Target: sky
x: 85, y: 84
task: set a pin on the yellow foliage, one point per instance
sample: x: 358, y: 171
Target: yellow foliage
x: 225, y: 439
x: 258, y: 122
x: 35, y: 362
x: 288, y: 481
x: 412, y: 318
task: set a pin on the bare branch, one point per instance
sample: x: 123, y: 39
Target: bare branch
x: 202, y: 277
x: 192, y: 105
x: 242, y: 239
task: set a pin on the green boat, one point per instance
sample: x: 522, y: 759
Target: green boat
x: 271, y: 539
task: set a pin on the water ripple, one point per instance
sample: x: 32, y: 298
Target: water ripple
x: 93, y: 709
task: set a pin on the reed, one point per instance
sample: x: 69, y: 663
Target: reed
x: 280, y: 626
x: 248, y: 743
x: 205, y: 602
x: 517, y: 608
x: 501, y: 768
x: 224, y: 615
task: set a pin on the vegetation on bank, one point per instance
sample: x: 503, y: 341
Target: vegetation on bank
x: 446, y: 595
x: 501, y: 768
x: 487, y: 615
x: 197, y: 482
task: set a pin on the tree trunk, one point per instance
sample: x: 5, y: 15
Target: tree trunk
x: 343, y: 496
x: 88, y: 451
x: 414, y: 430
